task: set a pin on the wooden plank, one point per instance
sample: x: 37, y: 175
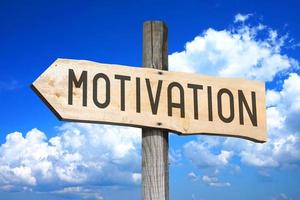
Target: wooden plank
x: 53, y: 88
x: 155, y: 166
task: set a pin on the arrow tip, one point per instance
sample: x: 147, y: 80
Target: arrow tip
x: 35, y: 89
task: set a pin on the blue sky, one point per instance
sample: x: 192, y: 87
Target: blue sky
x: 43, y: 158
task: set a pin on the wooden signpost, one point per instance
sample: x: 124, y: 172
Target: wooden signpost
x: 86, y: 91
x: 156, y: 100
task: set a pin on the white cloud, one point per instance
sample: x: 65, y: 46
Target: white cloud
x: 83, y: 192
x: 209, y: 180
x: 234, y: 53
x: 202, y: 155
x: 275, y: 119
x: 263, y: 160
x: 241, y: 18
x: 278, y: 152
x: 81, y: 154
x: 273, y: 97
x: 214, y: 181
x: 193, y: 176
x: 290, y: 103
x: 174, y: 156
x: 137, y: 177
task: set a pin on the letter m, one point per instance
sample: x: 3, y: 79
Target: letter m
x: 73, y: 81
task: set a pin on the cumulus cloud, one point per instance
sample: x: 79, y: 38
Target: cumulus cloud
x: 203, y: 155
x: 251, y: 52
x: 81, y: 154
x: 237, y: 52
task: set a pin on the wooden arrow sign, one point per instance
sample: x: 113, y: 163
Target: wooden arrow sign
x: 84, y: 91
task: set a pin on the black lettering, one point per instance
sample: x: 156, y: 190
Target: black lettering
x: 154, y: 103
x: 209, y: 102
x: 231, y: 104
x: 122, y: 79
x: 176, y: 105
x: 95, y: 90
x: 195, y: 88
x: 138, y: 95
x: 82, y: 81
x: 252, y: 114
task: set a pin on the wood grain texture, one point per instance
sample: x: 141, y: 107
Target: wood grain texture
x: 52, y: 87
x: 155, y: 142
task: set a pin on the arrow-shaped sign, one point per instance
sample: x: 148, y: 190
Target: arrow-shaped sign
x: 84, y: 91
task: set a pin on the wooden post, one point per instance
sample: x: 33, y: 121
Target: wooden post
x: 155, y: 165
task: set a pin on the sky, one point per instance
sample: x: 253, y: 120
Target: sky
x: 44, y: 158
